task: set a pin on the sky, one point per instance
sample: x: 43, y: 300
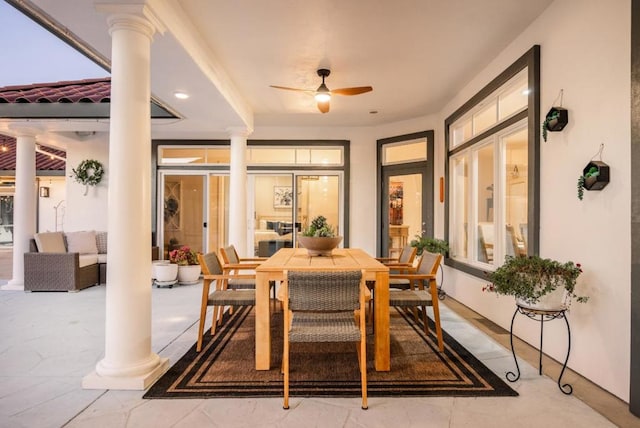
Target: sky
x: 31, y: 54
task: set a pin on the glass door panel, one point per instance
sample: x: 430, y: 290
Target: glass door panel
x: 183, y: 213
x: 218, y: 212
x: 318, y: 195
x: 6, y: 220
x: 405, y: 211
x: 272, y: 213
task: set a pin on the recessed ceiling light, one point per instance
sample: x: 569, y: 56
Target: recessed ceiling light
x: 181, y: 95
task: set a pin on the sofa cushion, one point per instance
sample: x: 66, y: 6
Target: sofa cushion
x: 82, y: 242
x: 88, y: 259
x: 101, y: 242
x: 50, y: 242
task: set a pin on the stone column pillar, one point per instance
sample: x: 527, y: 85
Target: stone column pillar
x: 238, y: 221
x: 129, y: 362
x: 24, y: 205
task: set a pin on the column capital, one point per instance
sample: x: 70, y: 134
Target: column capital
x: 137, y: 17
x: 239, y: 131
x: 25, y: 129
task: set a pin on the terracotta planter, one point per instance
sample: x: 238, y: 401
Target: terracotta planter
x: 319, y: 246
x: 189, y: 274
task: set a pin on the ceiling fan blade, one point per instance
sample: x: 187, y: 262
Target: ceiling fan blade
x: 323, y: 106
x: 311, y: 91
x: 352, y: 91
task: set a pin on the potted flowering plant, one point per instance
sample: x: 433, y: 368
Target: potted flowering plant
x: 183, y: 256
x: 537, y: 283
x: 188, y: 266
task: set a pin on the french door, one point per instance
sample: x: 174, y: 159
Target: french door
x: 405, y: 210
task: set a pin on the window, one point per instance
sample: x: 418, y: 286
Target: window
x: 492, y: 146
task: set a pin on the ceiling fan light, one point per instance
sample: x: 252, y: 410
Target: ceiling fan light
x: 323, y: 97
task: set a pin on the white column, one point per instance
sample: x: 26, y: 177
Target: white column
x: 238, y: 221
x: 24, y: 205
x: 129, y: 362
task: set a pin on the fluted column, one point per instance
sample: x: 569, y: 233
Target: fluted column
x: 129, y: 362
x: 238, y: 190
x: 24, y: 204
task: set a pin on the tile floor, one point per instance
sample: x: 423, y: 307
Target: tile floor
x: 51, y: 340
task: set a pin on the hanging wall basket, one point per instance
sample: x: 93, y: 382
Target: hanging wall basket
x: 555, y: 121
x: 597, y: 180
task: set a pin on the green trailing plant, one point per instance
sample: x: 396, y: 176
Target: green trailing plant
x: 530, y: 278
x: 545, y: 125
x: 432, y: 245
x: 593, y: 172
x: 320, y: 228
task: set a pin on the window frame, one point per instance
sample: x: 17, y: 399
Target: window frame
x: 531, y: 62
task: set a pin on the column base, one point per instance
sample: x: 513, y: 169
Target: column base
x: 13, y: 285
x: 134, y: 383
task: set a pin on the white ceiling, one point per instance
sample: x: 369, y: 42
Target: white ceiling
x: 415, y: 53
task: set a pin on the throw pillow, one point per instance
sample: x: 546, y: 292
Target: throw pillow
x: 101, y: 242
x: 82, y: 242
x: 50, y: 242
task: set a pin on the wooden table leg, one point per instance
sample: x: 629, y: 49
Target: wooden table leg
x: 382, y: 343
x: 263, y: 318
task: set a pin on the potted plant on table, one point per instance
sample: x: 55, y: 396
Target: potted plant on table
x: 188, y: 266
x: 319, y: 238
x: 537, y: 283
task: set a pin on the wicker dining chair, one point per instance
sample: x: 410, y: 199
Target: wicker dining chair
x: 236, y: 264
x: 325, y: 306
x: 420, y: 297
x: 407, y: 254
x: 221, y: 296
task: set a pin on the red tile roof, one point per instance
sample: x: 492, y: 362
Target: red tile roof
x: 77, y: 91
x: 43, y: 162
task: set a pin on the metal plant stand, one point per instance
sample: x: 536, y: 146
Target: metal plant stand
x: 544, y: 316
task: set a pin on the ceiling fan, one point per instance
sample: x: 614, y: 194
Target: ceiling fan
x: 323, y: 94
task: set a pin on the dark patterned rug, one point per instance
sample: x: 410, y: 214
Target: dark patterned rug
x: 225, y: 366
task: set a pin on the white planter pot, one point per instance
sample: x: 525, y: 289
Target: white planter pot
x: 164, y: 271
x: 188, y: 274
x: 554, y: 301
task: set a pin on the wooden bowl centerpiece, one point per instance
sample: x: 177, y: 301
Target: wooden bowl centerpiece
x: 319, y: 238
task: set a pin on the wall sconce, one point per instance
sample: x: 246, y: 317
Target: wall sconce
x: 44, y: 192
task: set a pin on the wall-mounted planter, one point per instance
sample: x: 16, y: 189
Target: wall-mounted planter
x: 596, y: 181
x: 555, y: 121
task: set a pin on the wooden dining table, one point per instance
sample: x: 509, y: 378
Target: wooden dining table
x: 288, y: 259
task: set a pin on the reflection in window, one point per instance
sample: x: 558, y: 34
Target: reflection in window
x: 459, y: 210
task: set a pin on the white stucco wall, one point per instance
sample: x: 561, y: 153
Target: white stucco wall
x: 87, y: 212
x: 585, y: 50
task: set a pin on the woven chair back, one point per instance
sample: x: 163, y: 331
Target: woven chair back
x: 430, y: 263
x: 324, y: 291
x: 210, y: 263
x: 407, y: 254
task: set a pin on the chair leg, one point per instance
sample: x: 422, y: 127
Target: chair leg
x: 285, y: 368
x: 362, y: 362
x: 215, y: 320
x: 436, y: 320
x: 203, y: 317
x: 425, y: 321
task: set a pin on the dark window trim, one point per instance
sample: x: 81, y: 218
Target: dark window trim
x: 429, y: 173
x: 531, y: 61
x: 345, y: 169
